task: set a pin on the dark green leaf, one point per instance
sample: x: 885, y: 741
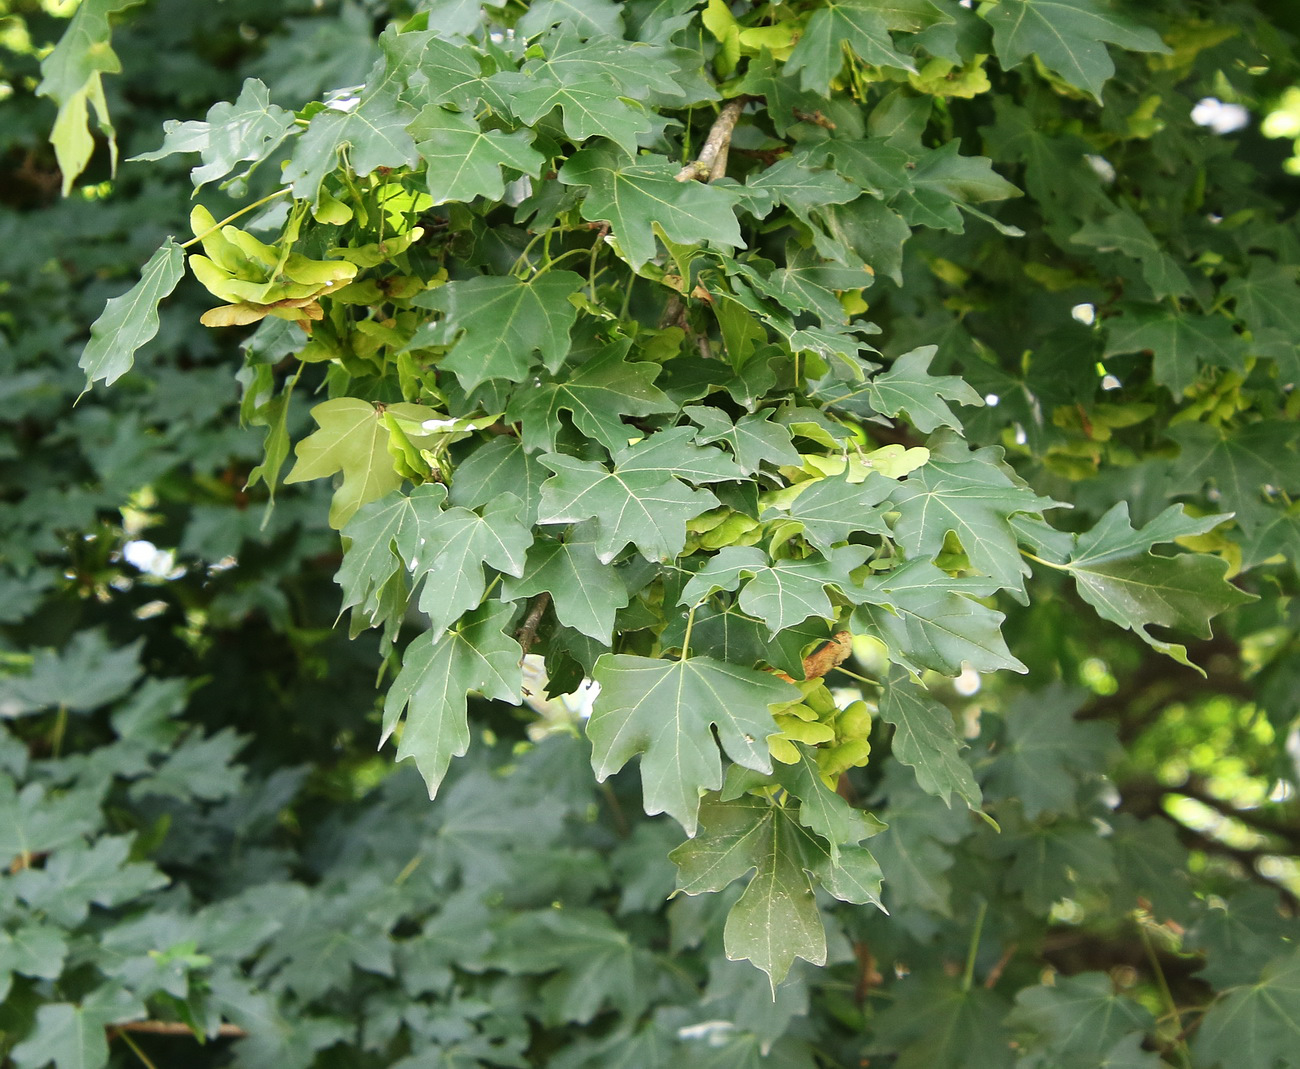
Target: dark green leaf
x: 496, y: 324
x: 1046, y: 753
x: 972, y: 497
x: 1128, y: 585
x: 464, y: 161
x: 858, y: 24
x: 924, y: 617
x: 667, y: 711
x: 646, y: 508
x: 834, y: 508
x: 597, y: 394
x: 636, y: 197
x: 925, y: 738
x: 438, y: 671
x: 1179, y: 343
x: 1067, y: 36
x: 370, y: 129
x: 586, y: 593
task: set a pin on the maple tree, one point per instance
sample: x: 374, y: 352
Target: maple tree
x: 833, y: 460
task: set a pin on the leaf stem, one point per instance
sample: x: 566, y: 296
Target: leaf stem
x: 686, y: 639
x: 563, y: 256
x: 854, y: 675
x: 1039, y: 560
x: 58, y: 731
x: 1167, y: 996
x: 135, y: 1049
x: 231, y: 218
x: 968, y: 974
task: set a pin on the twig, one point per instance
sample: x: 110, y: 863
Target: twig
x: 1171, y: 1006
x: 174, y: 1028
x: 995, y: 973
x: 527, y: 634
x: 711, y: 164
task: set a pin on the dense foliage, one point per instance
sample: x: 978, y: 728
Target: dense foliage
x: 878, y: 399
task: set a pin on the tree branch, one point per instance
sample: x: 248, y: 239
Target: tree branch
x: 174, y: 1028
x: 527, y: 633
x: 711, y: 164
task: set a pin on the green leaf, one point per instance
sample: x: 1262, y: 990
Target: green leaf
x: 634, y: 197
x: 382, y: 536
x: 1238, y: 936
x: 35, y: 822
x: 935, y: 1022
x: 776, y: 918
x: 629, y: 69
x: 859, y: 25
x: 464, y: 161
x: 865, y: 233
x: 438, y: 671
x: 646, y: 508
x: 1124, y: 231
x: 86, y: 675
x: 874, y: 163
x: 925, y: 618
x: 1046, y: 753
x: 452, y: 547
x: 801, y: 188
x: 354, y: 439
x: 72, y: 75
x: 247, y: 131
x: 723, y: 571
x: 945, y: 174
x: 586, y: 593
x: 593, y: 99
x: 808, y: 283
x: 436, y: 70
x: 1127, y: 584
x: 596, y: 394
x: 498, y: 322
x: 821, y: 810
x: 1265, y: 297
x: 753, y: 438
x: 1079, y: 1017
x: 906, y: 390
x: 502, y: 466
x: 790, y: 591
x: 1179, y: 342
x: 589, y: 18
x: 673, y: 451
x: 1242, y: 464
x: 1067, y: 36
x: 833, y: 508
x: 668, y: 711
x: 76, y: 877
x: 371, y: 131
x: 913, y: 851
x: 597, y: 965
x: 1057, y: 861
x: 925, y: 739
x: 131, y: 320
x: 727, y: 634
x: 37, y: 950
x: 71, y: 1036
x: 972, y: 497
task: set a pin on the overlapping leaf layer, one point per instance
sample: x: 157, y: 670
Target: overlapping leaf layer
x: 786, y: 379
